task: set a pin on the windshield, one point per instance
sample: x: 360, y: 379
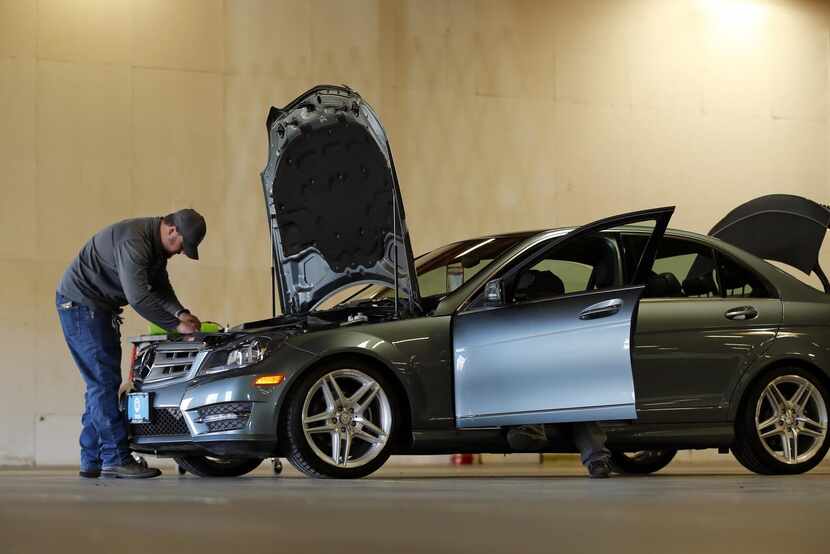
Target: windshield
x: 440, y: 271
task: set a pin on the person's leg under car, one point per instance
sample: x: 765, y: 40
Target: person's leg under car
x: 590, y: 440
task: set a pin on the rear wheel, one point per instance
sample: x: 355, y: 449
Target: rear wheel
x: 205, y: 466
x: 782, y: 426
x: 642, y: 462
x: 341, y: 421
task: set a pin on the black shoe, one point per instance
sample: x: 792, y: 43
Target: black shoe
x: 599, y: 469
x: 527, y: 438
x: 90, y: 473
x: 130, y: 470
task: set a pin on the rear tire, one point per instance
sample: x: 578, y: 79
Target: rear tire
x: 217, y: 467
x: 341, y: 420
x: 642, y: 462
x: 781, y: 428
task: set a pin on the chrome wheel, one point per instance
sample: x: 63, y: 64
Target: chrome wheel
x: 791, y: 419
x: 346, y: 418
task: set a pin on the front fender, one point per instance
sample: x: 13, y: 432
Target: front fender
x: 415, y: 351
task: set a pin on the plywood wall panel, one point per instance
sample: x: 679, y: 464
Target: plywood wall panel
x: 202, y: 289
x: 17, y: 365
x: 502, y: 115
x: 268, y: 37
x: 84, y: 163
x: 799, y: 66
x: 178, y: 135
x: 18, y: 23
x: 18, y: 159
x: 248, y: 97
x: 345, y: 42
x: 248, y: 295
x: 85, y: 30
x: 179, y: 34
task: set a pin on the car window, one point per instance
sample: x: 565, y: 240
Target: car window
x: 681, y: 269
x: 580, y: 265
x: 739, y: 282
x: 447, y: 278
x: 440, y: 271
x: 574, y: 275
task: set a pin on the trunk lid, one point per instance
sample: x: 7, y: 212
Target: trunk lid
x: 780, y: 227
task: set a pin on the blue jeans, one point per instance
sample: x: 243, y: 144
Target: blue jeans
x: 94, y: 339
x: 590, y: 440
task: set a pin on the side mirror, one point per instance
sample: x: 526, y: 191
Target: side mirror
x: 494, y: 293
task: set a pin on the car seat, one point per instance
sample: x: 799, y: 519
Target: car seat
x: 700, y: 285
x: 534, y: 285
x: 664, y: 285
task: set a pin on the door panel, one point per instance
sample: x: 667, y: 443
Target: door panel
x: 688, y: 356
x: 532, y: 348
x: 703, y: 321
x: 540, y: 362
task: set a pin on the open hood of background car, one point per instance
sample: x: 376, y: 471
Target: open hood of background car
x: 333, y: 202
x: 779, y: 227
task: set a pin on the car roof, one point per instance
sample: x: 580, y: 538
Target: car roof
x: 635, y: 228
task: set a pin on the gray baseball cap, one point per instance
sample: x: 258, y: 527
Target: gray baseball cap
x: 192, y: 226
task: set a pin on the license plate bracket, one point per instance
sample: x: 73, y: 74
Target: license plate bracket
x: 138, y: 407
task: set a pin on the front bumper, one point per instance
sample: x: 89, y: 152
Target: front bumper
x: 234, y: 448
x: 224, y: 417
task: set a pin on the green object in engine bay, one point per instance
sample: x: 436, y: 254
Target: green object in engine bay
x: 207, y: 327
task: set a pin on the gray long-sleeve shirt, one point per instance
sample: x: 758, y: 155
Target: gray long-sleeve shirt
x: 122, y: 264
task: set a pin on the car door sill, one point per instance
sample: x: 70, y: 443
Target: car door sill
x: 561, y: 415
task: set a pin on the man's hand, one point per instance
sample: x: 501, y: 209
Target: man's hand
x: 188, y: 323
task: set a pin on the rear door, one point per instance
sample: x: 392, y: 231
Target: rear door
x: 547, y: 339
x: 703, y: 319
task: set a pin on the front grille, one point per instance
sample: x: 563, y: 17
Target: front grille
x: 170, y: 363
x: 164, y: 422
x: 242, y: 411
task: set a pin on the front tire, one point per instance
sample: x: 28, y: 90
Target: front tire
x: 341, y: 421
x: 642, y: 462
x: 204, y: 466
x: 782, y: 426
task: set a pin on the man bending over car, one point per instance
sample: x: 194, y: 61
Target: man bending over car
x: 125, y: 263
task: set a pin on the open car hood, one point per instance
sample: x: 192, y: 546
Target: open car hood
x: 333, y: 202
x: 780, y: 227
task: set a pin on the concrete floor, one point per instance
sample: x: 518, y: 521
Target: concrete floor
x: 706, y: 508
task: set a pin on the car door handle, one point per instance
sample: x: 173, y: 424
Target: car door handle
x: 741, y: 313
x: 601, y: 309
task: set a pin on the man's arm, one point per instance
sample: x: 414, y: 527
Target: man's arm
x: 132, y: 259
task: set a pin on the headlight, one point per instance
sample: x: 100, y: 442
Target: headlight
x: 247, y: 354
x: 242, y: 355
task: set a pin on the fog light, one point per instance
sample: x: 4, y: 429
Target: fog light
x: 270, y: 379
